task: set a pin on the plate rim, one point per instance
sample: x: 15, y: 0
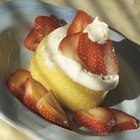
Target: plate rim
x: 5, y: 117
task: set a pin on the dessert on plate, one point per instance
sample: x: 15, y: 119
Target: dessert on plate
x: 77, y: 61
x: 74, y: 67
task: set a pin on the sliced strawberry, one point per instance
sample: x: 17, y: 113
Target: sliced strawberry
x: 99, y: 120
x: 50, y: 109
x: 33, y: 93
x: 123, y: 121
x: 43, y: 26
x: 68, y: 46
x: 97, y: 58
x: 32, y: 40
x: 15, y: 82
x: 79, y: 23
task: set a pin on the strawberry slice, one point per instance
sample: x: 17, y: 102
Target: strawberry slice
x: 79, y: 23
x: 99, y: 120
x: 97, y: 58
x: 50, y: 109
x: 68, y: 46
x: 15, y: 82
x: 33, y: 93
x: 123, y: 121
x: 32, y: 40
x: 43, y: 26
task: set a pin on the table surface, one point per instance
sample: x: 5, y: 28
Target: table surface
x: 123, y: 16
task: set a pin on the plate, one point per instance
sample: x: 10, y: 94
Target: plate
x: 17, y: 19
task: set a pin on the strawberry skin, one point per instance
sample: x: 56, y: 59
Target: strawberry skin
x: 97, y: 58
x: 50, y: 109
x: 15, y: 82
x: 33, y: 93
x: 79, y: 23
x: 43, y: 26
x: 32, y: 40
x: 123, y: 121
x: 99, y: 120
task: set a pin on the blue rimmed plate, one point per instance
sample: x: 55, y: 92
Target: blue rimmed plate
x: 16, y: 21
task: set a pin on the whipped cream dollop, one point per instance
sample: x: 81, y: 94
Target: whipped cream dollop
x: 97, y: 31
x: 72, y: 68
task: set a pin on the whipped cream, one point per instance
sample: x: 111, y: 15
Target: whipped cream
x: 97, y: 31
x: 72, y: 68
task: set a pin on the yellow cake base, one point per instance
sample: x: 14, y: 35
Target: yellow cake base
x: 70, y: 94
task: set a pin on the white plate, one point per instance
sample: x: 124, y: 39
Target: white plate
x: 17, y: 19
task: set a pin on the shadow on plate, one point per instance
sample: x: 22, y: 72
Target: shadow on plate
x: 129, y: 84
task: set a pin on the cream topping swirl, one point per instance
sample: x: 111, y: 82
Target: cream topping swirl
x: 97, y: 31
x: 72, y: 68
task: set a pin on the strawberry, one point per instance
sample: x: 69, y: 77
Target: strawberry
x: 50, y: 109
x: 68, y: 46
x: 97, y: 58
x: 99, y: 120
x: 43, y: 26
x: 123, y: 121
x: 15, y: 82
x: 79, y: 23
x: 33, y: 93
x: 31, y: 41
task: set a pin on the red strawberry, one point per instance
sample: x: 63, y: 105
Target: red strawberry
x: 79, y: 23
x: 50, y: 109
x: 99, y: 120
x: 15, y: 82
x: 123, y: 121
x: 43, y: 26
x: 31, y: 41
x: 33, y: 93
x: 68, y: 45
x: 97, y: 58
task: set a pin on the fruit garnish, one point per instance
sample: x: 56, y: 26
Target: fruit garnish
x: 102, y: 121
x: 15, y: 82
x: 68, y: 46
x: 99, y: 120
x: 50, y: 109
x: 97, y: 58
x: 31, y: 41
x: 79, y: 23
x: 123, y: 121
x: 33, y: 93
x: 43, y: 26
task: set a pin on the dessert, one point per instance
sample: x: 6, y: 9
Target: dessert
x: 80, y: 76
x: 74, y: 67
